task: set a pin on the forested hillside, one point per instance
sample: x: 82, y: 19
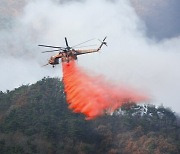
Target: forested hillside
x: 35, y: 119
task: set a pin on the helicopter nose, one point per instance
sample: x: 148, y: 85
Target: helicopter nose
x: 50, y: 61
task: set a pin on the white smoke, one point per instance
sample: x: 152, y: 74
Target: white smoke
x: 131, y: 57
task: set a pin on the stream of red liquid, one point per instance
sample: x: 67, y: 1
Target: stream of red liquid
x: 92, y: 95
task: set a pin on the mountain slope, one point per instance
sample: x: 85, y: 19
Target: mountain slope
x: 35, y: 119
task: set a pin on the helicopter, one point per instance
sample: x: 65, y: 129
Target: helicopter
x: 67, y: 54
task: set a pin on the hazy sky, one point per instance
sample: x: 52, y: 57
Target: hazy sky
x: 143, y: 42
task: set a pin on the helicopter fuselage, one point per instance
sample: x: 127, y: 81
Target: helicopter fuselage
x: 65, y: 56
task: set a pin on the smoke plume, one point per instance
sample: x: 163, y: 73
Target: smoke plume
x: 132, y: 57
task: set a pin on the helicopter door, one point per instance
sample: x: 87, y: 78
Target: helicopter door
x: 56, y: 61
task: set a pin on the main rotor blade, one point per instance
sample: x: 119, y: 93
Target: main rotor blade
x: 49, y: 46
x: 82, y: 43
x: 87, y: 46
x: 66, y: 42
x: 99, y: 40
x: 45, y: 65
x: 49, y: 51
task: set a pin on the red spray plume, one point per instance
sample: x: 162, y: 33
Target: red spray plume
x: 91, y: 95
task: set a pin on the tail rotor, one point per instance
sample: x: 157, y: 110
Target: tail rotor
x: 102, y: 43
